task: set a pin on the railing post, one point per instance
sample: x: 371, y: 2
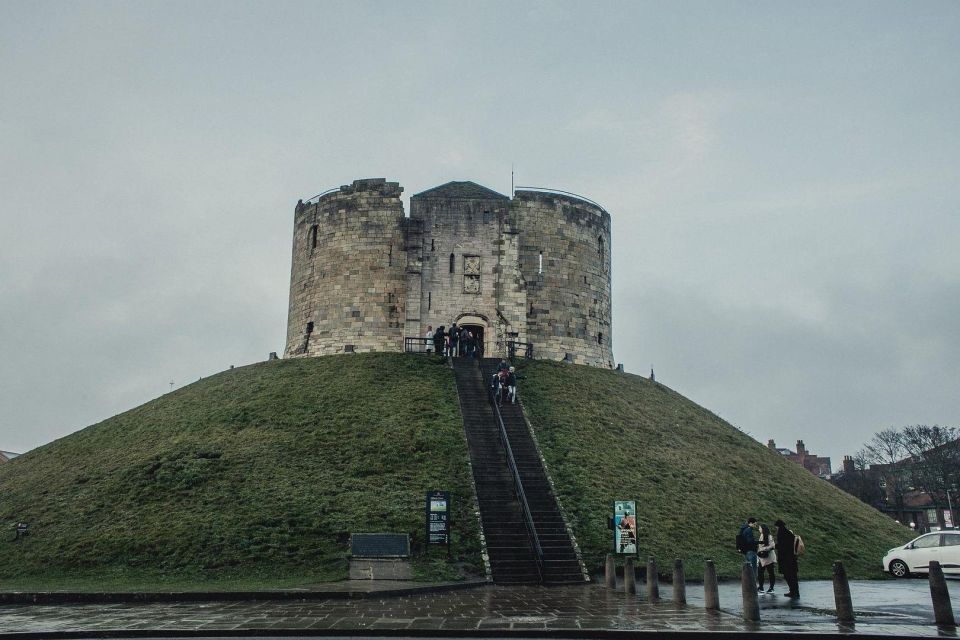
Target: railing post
x: 942, y: 608
x: 679, y: 582
x: 748, y: 589
x: 629, y: 576
x: 610, y: 572
x: 841, y: 594
x: 653, y: 582
x: 711, y: 593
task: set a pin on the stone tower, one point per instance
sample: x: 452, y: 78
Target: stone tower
x: 534, y: 268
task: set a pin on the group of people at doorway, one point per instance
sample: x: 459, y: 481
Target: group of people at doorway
x: 765, y: 551
x: 455, y: 341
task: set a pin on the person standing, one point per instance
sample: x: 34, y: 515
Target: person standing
x: 428, y: 345
x: 787, y: 558
x: 454, y: 339
x: 439, y: 339
x: 748, y: 543
x: 464, y: 336
x: 767, y: 557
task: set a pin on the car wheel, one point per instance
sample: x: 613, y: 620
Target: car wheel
x: 898, y: 568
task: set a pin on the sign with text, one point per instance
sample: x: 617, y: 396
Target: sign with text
x: 625, y: 527
x: 947, y: 519
x: 438, y: 517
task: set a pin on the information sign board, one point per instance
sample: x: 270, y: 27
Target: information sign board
x: 380, y: 545
x: 438, y: 517
x: 625, y: 527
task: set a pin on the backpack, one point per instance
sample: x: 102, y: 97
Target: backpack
x: 798, y: 547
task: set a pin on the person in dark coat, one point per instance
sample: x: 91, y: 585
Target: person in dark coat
x: 787, y: 558
x: 439, y: 340
x: 454, y: 339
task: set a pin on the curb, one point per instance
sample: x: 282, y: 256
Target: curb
x: 76, y: 597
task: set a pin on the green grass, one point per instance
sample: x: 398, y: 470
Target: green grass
x: 253, y: 478
x: 248, y: 479
x: 610, y: 436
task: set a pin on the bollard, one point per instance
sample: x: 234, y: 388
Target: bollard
x: 748, y: 586
x: 841, y: 593
x: 610, y: 573
x: 653, y: 582
x: 679, y: 582
x: 942, y: 609
x: 711, y: 593
x: 629, y: 576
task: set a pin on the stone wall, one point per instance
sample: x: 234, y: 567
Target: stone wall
x: 460, y: 267
x: 565, y: 262
x: 535, y: 268
x: 347, y: 282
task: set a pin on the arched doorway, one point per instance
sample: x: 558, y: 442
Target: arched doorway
x: 480, y: 328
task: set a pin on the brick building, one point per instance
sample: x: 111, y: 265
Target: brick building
x: 534, y: 268
x: 817, y: 465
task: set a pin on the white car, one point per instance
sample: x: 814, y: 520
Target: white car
x: 915, y: 556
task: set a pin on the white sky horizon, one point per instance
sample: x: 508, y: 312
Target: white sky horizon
x: 782, y: 180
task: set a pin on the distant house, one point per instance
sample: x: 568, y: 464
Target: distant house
x: 7, y: 456
x: 817, y: 465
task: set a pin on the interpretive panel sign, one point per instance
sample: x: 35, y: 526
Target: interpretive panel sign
x: 625, y: 527
x: 380, y: 545
x: 438, y: 517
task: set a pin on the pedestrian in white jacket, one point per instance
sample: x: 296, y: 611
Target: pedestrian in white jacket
x: 767, y: 556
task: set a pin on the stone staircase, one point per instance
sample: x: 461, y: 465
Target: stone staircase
x: 513, y: 558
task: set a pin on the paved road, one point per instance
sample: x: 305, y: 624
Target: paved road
x: 884, y: 607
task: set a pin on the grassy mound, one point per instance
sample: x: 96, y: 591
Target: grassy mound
x: 252, y: 477
x: 609, y: 436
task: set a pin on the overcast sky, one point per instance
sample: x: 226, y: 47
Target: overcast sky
x: 783, y: 179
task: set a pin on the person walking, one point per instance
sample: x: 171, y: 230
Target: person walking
x: 464, y: 336
x: 767, y: 557
x: 747, y: 543
x: 787, y: 558
x: 512, y: 385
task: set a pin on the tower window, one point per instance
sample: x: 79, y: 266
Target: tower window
x: 313, y: 237
x: 429, y: 300
x: 601, y: 252
x: 599, y: 338
x: 390, y: 256
x: 432, y: 246
x: 451, y: 263
x: 309, y: 328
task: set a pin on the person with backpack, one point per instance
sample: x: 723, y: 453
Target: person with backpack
x: 747, y: 543
x: 789, y: 546
x: 767, y: 557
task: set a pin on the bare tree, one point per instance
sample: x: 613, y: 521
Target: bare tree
x: 936, y: 459
x: 888, y: 455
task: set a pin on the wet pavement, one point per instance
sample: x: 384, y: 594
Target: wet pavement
x: 883, y: 608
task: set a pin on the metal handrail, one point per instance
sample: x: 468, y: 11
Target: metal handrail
x: 517, y: 483
x: 410, y: 345
x: 565, y: 193
x: 317, y: 197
